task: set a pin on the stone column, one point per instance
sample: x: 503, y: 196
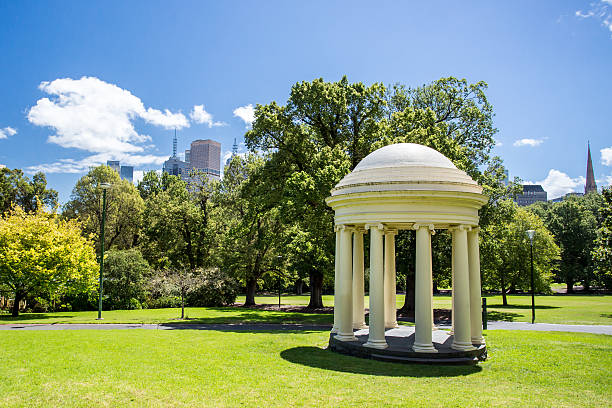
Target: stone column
x: 423, y: 317
x: 358, y: 287
x: 390, y: 284
x: 452, y: 330
x: 345, y: 287
x: 336, y: 279
x: 462, y: 338
x: 376, y: 338
x: 475, y: 293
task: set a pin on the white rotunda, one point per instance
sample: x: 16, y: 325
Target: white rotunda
x: 405, y: 186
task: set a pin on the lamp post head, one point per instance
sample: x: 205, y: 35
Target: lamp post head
x: 530, y: 235
x: 104, y: 186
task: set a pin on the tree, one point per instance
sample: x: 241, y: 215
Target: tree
x: 42, y: 254
x: 602, y: 252
x: 177, y: 281
x: 125, y: 276
x: 574, y: 223
x: 253, y: 230
x: 124, y: 208
x: 176, y: 230
x: 507, y: 260
x: 17, y: 189
x: 325, y: 129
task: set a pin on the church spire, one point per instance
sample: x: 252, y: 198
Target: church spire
x: 590, y: 177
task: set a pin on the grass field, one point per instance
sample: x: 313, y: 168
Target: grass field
x: 575, y: 309
x: 88, y: 368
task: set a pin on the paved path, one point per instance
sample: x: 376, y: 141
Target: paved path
x: 596, y: 329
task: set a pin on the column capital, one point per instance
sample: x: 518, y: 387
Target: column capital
x: 342, y: 227
x: 378, y: 226
x: 358, y: 229
x: 390, y: 231
x: 460, y: 227
x: 430, y: 227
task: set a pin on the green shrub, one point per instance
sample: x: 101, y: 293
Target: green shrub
x: 125, y: 275
x: 164, y: 302
x: 214, y: 288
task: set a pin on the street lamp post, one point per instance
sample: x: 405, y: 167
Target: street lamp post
x: 104, y: 186
x: 531, y: 234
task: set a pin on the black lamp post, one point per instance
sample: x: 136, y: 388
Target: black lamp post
x: 531, y: 234
x: 104, y: 187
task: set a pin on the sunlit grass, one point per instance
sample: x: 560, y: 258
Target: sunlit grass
x: 87, y: 368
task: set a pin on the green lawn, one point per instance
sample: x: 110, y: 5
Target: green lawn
x: 193, y: 315
x: 86, y: 368
x: 549, y: 309
x: 573, y: 309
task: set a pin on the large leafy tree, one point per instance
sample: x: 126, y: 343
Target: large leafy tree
x: 325, y: 129
x: 18, y: 189
x: 176, y: 226
x: 124, y: 208
x: 574, y: 223
x: 506, y: 252
x: 42, y: 254
x: 253, y: 232
x: 603, y: 246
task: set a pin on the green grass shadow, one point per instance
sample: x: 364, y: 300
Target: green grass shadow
x: 328, y: 360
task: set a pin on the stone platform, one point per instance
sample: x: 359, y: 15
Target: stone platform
x: 400, y: 342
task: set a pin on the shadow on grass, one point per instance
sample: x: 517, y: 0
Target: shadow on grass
x: 327, y: 360
x: 30, y: 316
x: 502, y: 316
x: 248, y: 316
x: 608, y: 315
x: 500, y: 306
x: 249, y: 327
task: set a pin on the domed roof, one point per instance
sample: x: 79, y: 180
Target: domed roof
x: 404, y: 155
x: 406, y: 166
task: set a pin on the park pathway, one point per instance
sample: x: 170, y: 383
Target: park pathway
x: 595, y: 329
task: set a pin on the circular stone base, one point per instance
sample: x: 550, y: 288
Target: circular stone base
x: 400, y: 341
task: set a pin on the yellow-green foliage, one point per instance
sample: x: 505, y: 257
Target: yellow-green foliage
x: 42, y: 254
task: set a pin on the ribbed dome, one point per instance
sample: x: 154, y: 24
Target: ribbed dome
x: 406, y: 166
x: 403, y: 155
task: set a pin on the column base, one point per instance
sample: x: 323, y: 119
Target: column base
x: 377, y: 344
x: 346, y: 337
x: 358, y: 326
x: 424, y: 348
x: 462, y: 346
x: 478, y: 340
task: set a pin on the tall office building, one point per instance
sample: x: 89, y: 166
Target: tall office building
x: 205, y: 155
x: 114, y: 164
x: 127, y: 173
x: 531, y: 194
x: 590, y: 185
x: 187, y: 156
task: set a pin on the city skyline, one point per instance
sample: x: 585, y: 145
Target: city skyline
x: 547, y: 66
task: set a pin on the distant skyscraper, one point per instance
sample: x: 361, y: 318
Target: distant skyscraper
x: 187, y: 156
x: 127, y: 173
x: 205, y: 155
x: 114, y: 164
x: 531, y: 194
x: 234, y: 152
x: 590, y: 185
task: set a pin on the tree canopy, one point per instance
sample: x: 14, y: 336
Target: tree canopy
x: 18, y: 189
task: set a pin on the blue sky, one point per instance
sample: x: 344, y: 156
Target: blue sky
x: 82, y: 82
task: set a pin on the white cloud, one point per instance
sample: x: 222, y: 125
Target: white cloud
x: 92, y: 115
x: 606, y: 156
x: 528, y: 142
x: 246, y: 113
x: 557, y: 184
x: 7, y: 131
x: 601, y: 11
x: 2, y: 166
x: 83, y: 165
x: 199, y: 115
x: 498, y: 143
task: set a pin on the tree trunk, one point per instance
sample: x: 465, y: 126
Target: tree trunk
x: 503, y: 290
x: 18, y: 297
x: 182, y: 306
x: 408, y: 308
x: 299, y: 287
x: 570, y: 285
x: 251, y: 287
x: 316, y: 290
